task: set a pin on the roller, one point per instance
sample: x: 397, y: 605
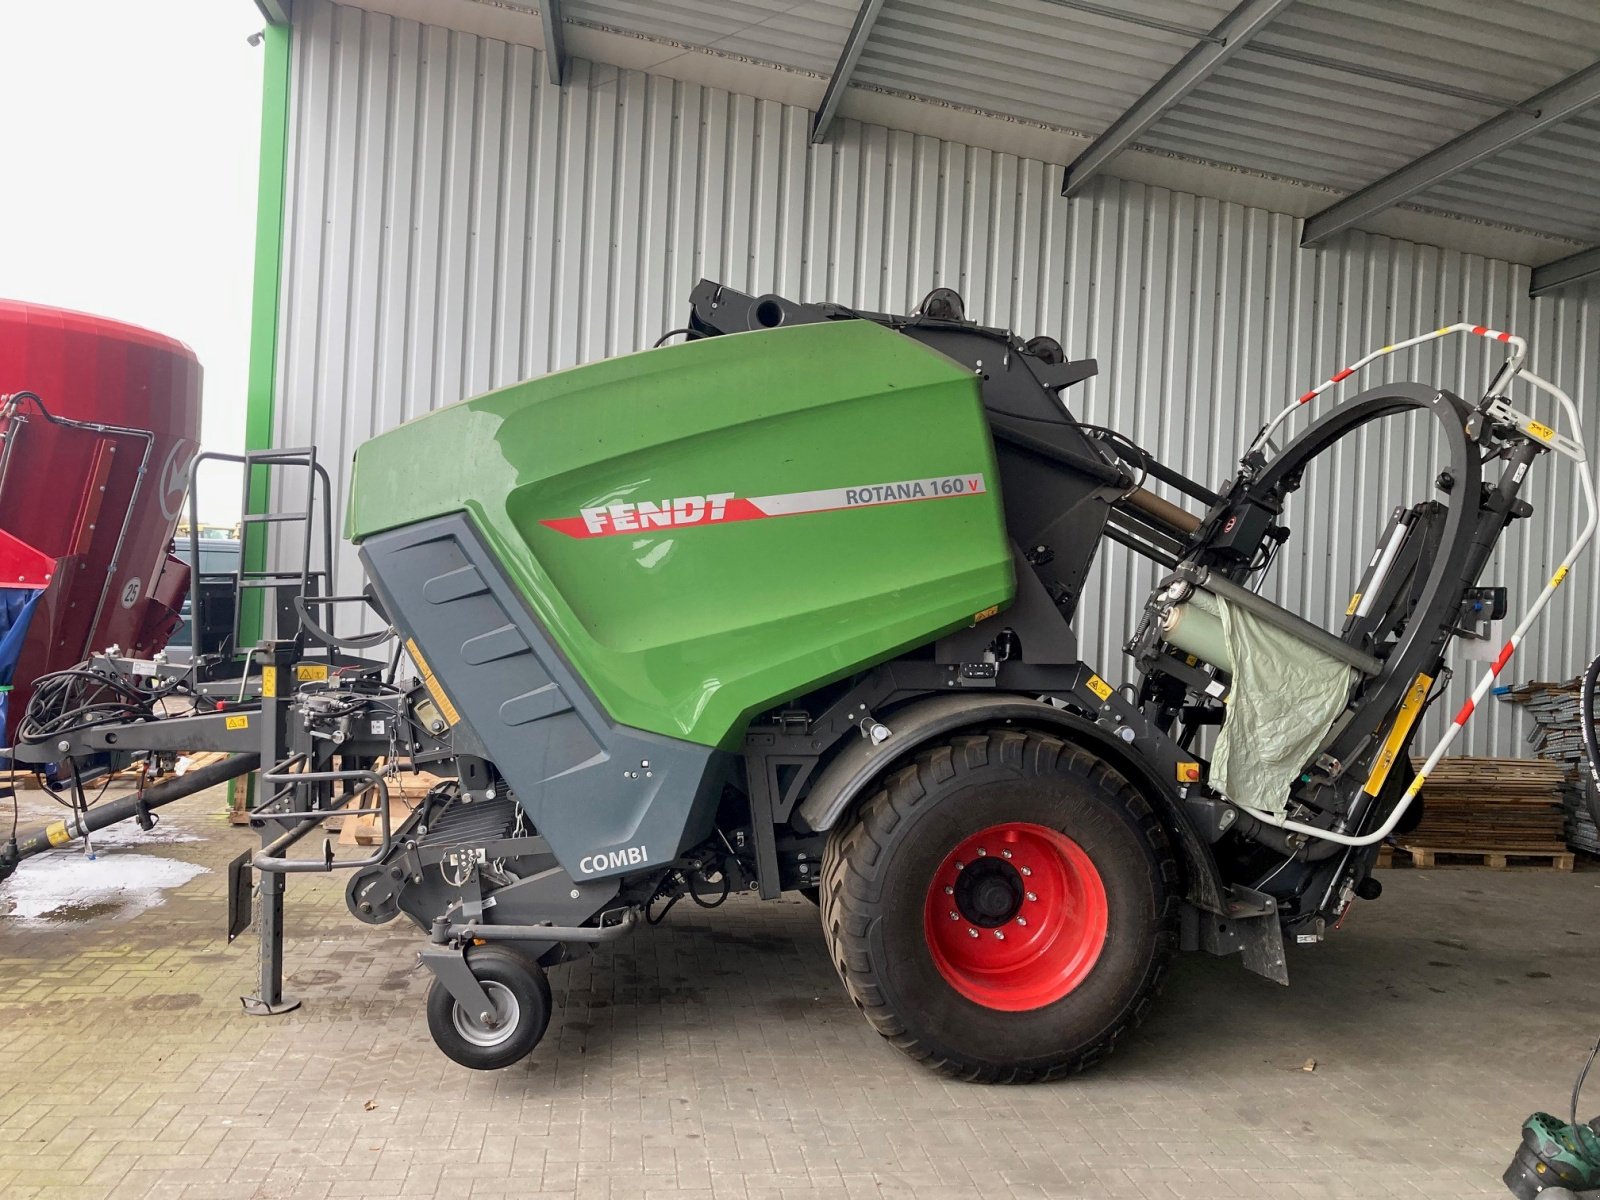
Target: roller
x: 1196, y: 631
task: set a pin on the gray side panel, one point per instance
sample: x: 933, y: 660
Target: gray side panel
x: 609, y: 799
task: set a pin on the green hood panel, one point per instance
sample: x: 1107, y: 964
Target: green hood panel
x: 712, y: 527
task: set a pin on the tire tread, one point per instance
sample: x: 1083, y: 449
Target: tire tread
x: 852, y: 870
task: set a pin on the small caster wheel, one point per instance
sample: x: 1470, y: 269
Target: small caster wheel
x: 520, y: 994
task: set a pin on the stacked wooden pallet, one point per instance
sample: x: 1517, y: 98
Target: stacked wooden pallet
x: 1557, y: 735
x: 406, y: 790
x: 1494, y: 812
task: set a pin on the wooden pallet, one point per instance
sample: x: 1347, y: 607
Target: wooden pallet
x: 406, y: 791
x: 1554, y: 857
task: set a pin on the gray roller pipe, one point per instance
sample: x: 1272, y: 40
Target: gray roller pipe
x: 1285, y: 620
x: 59, y: 833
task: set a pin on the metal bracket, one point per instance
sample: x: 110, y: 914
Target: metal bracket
x: 1250, y: 927
x: 449, y: 967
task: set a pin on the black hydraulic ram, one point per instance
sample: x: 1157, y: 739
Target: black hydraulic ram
x: 81, y: 824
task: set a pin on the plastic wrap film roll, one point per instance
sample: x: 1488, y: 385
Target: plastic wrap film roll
x: 1284, y: 698
x: 1195, y: 631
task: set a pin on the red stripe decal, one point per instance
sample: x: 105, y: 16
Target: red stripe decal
x: 1342, y: 375
x: 1505, y: 337
x: 1466, y: 712
x: 1505, y: 655
x: 1480, y: 330
x: 1309, y: 396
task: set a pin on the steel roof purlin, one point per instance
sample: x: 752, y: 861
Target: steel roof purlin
x: 1550, y: 107
x: 555, y: 42
x: 1564, y: 272
x: 849, y: 56
x: 1231, y: 34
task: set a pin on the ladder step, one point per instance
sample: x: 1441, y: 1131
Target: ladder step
x: 286, y: 455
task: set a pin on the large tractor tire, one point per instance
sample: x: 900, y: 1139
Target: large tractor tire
x: 1004, y: 909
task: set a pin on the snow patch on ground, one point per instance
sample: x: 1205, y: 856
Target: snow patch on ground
x: 66, y: 885
x: 128, y: 833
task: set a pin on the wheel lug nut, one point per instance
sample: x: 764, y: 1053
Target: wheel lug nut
x: 1005, y: 854
x: 1000, y: 934
x: 982, y: 852
x: 971, y: 932
x: 949, y: 891
x: 960, y: 866
x: 1032, y: 896
x: 954, y: 915
x: 1025, y: 870
x: 1022, y: 920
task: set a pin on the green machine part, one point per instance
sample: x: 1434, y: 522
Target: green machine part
x: 707, y: 529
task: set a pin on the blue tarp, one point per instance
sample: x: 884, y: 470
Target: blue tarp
x: 16, y: 609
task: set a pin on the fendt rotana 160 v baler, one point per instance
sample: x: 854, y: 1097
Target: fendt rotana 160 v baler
x: 788, y: 606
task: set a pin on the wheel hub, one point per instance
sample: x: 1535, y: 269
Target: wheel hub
x: 989, y: 893
x: 489, y: 1028
x: 1016, y: 916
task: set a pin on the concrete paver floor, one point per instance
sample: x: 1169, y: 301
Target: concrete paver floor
x: 717, y: 1056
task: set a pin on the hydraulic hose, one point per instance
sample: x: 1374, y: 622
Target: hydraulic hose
x: 81, y: 824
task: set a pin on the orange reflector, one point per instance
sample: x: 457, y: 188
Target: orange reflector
x: 1188, y: 772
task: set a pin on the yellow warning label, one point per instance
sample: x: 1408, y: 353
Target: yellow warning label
x: 1099, y: 687
x: 1543, y: 432
x: 239, y: 722
x: 56, y: 833
x: 1398, y: 732
x: 1355, y: 603
x: 1188, y: 772
x: 269, y: 682
x: 985, y: 614
x: 311, y: 673
x: 1555, y: 580
x: 435, y: 690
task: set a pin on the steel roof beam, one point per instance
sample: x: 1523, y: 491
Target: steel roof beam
x: 1227, y: 39
x: 276, y: 12
x: 860, y: 31
x: 555, y: 41
x: 1549, y: 107
x: 1585, y: 264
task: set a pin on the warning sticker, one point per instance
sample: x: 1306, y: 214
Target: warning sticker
x: 1099, y: 687
x: 239, y: 722
x: 435, y: 689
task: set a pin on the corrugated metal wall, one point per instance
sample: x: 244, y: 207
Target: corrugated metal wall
x: 456, y: 223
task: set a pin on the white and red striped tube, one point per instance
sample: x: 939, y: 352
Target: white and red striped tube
x: 1517, y: 635
x: 1519, y: 350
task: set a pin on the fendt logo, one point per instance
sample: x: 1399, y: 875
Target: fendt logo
x: 629, y: 518
x: 720, y: 508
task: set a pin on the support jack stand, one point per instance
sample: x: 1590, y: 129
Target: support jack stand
x: 255, y: 1006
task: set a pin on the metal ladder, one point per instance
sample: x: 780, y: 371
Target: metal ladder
x: 311, y: 585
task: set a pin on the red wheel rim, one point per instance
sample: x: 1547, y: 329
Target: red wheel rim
x: 1015, y: 916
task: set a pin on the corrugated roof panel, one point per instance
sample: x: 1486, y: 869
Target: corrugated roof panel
x: 805, y: 36
x: 1507, y: 50
x: 1309, y: 123
x: 1028, y: 58
x: 1550, y: 182
x: 1342, y: 128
